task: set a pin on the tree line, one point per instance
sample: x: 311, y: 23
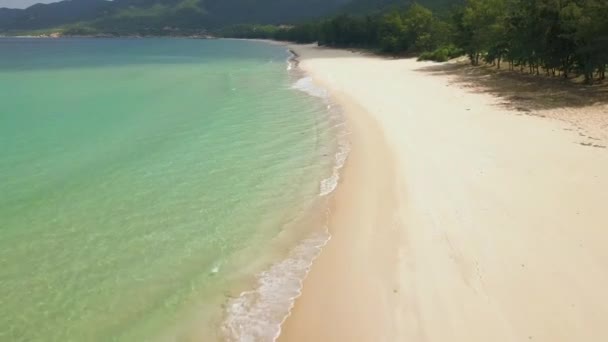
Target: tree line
x: 553, y: 37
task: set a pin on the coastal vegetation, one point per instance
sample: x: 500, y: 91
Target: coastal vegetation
x: 551, y: 37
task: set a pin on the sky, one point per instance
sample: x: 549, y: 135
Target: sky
x: 22, y: 3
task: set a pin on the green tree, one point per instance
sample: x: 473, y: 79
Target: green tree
x: 483, y: 27
x: 424, y: 32
x: 392, y: 32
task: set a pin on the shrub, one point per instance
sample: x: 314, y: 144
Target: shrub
x: 442, y: 54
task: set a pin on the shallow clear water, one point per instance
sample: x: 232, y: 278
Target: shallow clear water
x: 143, y: 182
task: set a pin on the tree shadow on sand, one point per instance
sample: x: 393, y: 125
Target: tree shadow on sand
x: 520, y: 91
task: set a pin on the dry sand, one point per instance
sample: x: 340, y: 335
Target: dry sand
x: 457, y: 218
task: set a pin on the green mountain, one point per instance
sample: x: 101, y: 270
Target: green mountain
x: 370, y: 6
x: 178, y: 16
x: 141, y: 16
x: 41, y: 16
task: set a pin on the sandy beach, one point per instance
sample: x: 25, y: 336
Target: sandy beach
x: 459, y: 217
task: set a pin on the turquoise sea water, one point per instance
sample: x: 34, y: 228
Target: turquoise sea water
x: 151, y: 189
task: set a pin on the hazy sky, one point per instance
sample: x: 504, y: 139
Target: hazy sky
x: 22, y: 3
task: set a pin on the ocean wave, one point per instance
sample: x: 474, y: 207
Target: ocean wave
x: 258, y: 315
x: 307, y: 85
x: 292, y: 61
x: 329, y: 184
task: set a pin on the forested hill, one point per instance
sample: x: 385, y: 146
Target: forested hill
x: 50, y: 15
x: 374, y: 6
x: 565, y: 38
x: 142, y: 16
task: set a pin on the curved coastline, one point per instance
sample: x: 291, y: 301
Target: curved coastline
x: 259, y: 313
x: 360, y: 260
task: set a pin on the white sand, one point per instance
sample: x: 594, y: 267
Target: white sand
x: 455, y: 219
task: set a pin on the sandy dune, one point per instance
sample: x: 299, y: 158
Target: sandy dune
x: 457, y: 219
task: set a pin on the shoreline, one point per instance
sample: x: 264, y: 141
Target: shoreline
x: 258, y: 313
x: 456, y: 219
x: 369, y: 158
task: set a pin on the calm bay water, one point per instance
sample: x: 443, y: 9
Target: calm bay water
x: 144, y: 184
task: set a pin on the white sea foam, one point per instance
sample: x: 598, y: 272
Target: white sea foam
x: 329, y: 184
x: 307, y: 85
x: 291, y: 60
x: 257, y: 315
